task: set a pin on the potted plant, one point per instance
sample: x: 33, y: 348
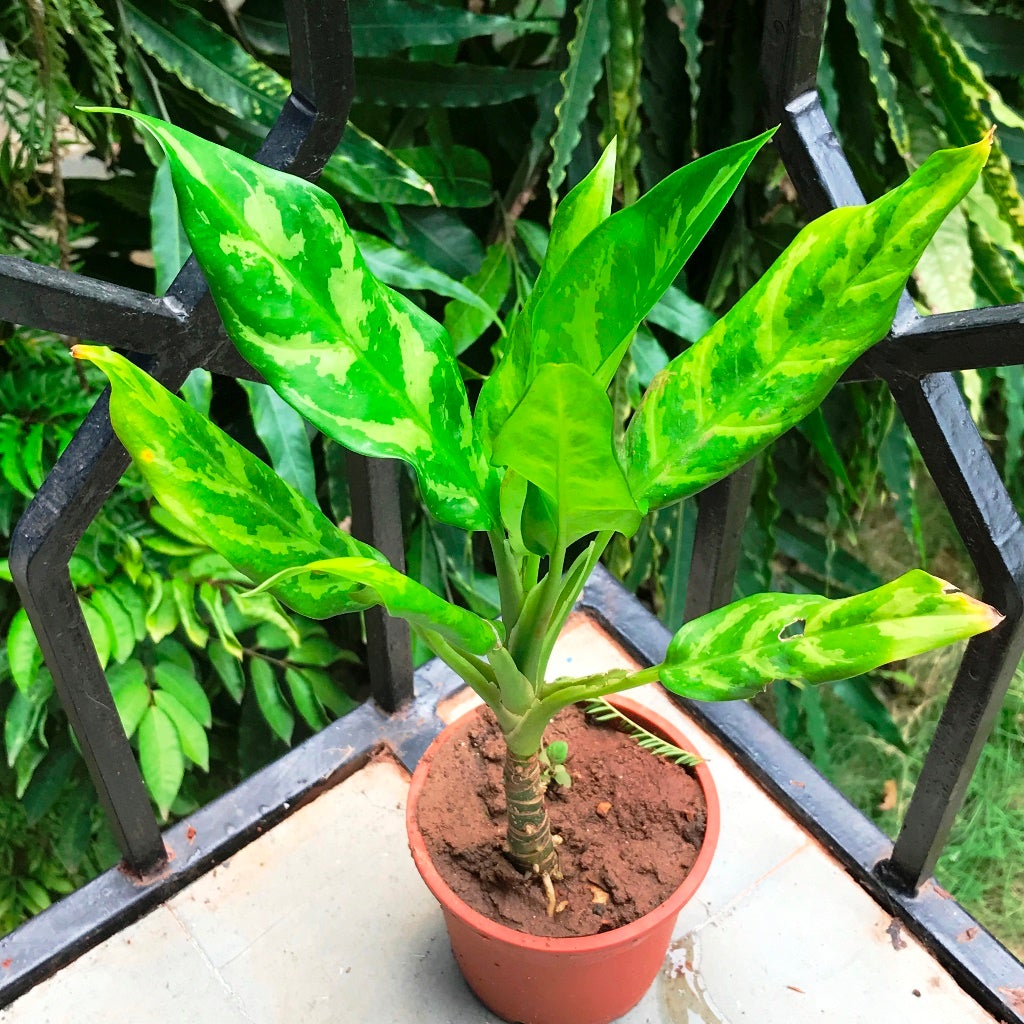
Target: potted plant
x: 535, y: 466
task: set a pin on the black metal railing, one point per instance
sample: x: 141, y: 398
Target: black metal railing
x: 181, y: 331
x: 173, y: 335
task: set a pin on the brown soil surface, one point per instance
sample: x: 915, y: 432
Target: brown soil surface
x: 631, y: 826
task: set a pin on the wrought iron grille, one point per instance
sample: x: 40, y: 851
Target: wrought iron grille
x: 181, y: 331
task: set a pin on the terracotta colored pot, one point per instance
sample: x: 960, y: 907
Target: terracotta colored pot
x: 533, y: 980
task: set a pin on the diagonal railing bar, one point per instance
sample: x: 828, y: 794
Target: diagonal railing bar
x: 991, y: 530
x: 181, y: 331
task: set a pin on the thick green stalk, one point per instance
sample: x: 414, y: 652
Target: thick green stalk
x: 510, y: 583
x: 531, y: 845
x: 472, y: 670
x: 526, y: 641
x: 575, y: 580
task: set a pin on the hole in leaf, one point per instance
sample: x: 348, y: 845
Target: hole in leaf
x: 794, y: 629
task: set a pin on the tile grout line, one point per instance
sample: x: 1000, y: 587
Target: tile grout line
x: 235, y: 998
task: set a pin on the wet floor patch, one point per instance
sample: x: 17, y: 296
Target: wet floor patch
x: 684, y: 995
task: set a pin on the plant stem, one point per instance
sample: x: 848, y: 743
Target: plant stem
x: 575, y: 581
x: 472, y: 670
x: 531, y: 845
x: 510, y: 584
x: 526, y: 641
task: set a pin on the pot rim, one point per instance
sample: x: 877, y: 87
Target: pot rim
x: 452, y: 903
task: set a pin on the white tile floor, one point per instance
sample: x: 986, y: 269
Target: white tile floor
x: 323, y: 920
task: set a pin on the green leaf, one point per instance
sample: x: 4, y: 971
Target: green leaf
x: 737, y: 650
x: 25, y: 712
x: 589, y: 312
x: 184, y: 593
x: 361, y: 362
x: 304, y: 698
x: 466, y: 320
x: 678, y: 313
x: 329, y: 693
x: 560, y: 439
x: 191, y: 734
x: 264, y: 608
x: 686, y: 16
x: 131, y: 695
x: 160, y: 758
x: 402, y: 597
x: 229, y: 667
x: 162, y: 614
x: 862, y: 16
x: 211, y: 599
x: 587, y: 48
x: 403, y: 269
x: 23, y: 654
x: 276, y: 712
x: 460, y: 175
x: 283, y: 433
x: 944, y: 271
x: 212, y: 64
x: 218, y: 490
x: 122, y: 624
x: 582, y: 211
x: 422, y: 83
x: 775, y: 355
x: 169, y: 241
x: 960, y: 90
x: 382, y: 27
x: 182, y: 685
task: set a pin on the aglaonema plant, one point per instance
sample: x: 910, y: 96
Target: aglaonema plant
x: 536, y: 466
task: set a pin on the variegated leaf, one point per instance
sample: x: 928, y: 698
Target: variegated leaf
x: 402, y: 596
x: 358, y: 360
x: 737, y: 650
x: 588, y: 312
x: 775, y: 355
x: 559, y: 438
x: 579, y: 213
x: 223, y: 493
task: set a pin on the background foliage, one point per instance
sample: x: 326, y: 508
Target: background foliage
x: 467, y: 124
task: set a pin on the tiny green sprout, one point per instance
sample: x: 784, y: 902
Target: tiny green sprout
x: 552, y: 758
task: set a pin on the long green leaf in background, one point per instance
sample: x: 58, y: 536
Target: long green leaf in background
x: 959, y: 89
x: 778, y: 351
x: 586, y: 50
x: 861, y: 15
x: 737, y: 650
x: 300, y: 304
x: 402, y: 83
x: 400, y: 268
x: 215, y: 66
x: 686, y: 16
x: 623, y: 68
x: 384, y: 27
x: 223, y: 493
x: 283, y: 433
x: 465, y: 321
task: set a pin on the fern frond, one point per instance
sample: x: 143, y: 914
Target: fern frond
x: 601, y: 711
